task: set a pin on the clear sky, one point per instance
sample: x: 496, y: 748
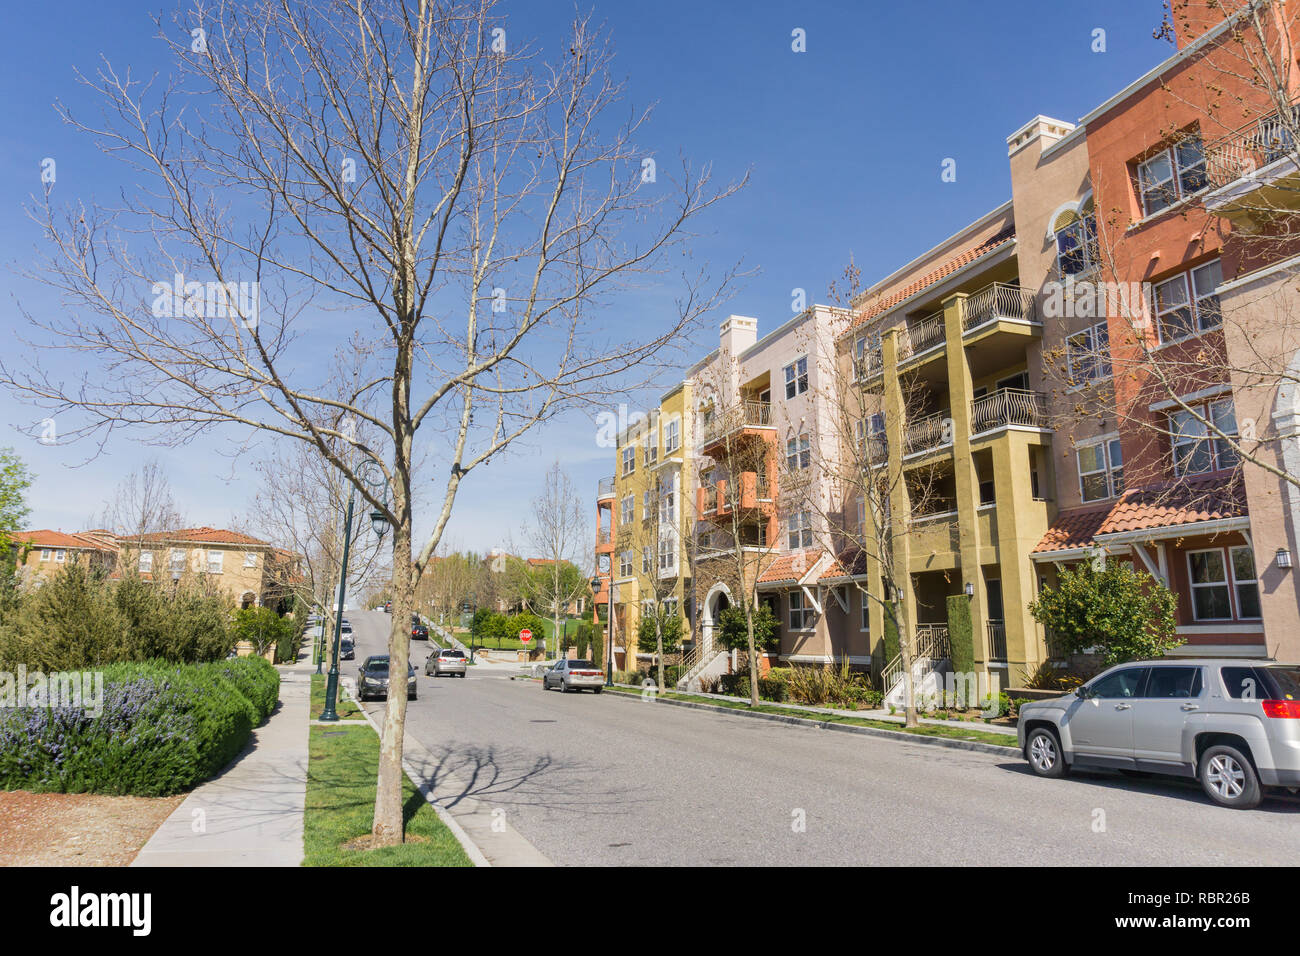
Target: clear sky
x: 845, y: 142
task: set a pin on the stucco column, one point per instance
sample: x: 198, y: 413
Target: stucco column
x: 900, y: 507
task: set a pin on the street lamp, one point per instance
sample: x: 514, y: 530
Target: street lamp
x: 372, y: 474
x: 609, y: 616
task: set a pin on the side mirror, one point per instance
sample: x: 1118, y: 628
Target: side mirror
x: 1082, y: 692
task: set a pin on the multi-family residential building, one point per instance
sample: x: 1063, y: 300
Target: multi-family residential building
x: 1075, y: 376
x: 44, y: 552
x: 242, y: 567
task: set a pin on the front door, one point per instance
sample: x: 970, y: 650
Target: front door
x: 1102, y: 724
x: 1171, y: 696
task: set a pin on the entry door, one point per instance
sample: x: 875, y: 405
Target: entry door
x: 1102, y: 725
x: 1172, y: 695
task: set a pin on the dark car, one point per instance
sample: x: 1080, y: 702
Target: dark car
x: 347, y: 649
x: 372, y: 678
x: 419, y: 632
x: 388, y: 607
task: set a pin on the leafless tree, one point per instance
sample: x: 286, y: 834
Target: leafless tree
x: 415, y: 180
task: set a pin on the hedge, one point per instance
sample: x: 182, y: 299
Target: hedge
x: 961, y: 634
x: 256, y: 679
x: 163, y: 729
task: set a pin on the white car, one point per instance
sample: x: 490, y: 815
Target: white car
x: 573, y: 675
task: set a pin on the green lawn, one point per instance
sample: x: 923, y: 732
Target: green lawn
x: 925, y: 730
x: 343, y: 706
x: 340, y: 807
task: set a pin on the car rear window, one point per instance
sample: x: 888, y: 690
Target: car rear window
x: 1243, y: 683
x: 1286, y: 679
x: 580, y: 665
x: 452, y: 654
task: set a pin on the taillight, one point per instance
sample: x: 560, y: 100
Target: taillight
x: 1284, y: 709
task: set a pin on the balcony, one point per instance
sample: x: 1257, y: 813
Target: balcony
x: 1008, y: 406
x: 998, y: 302
x: 739, y: 418
x: 1253, y: 171
x: 920, y: 336
x: 869, y: 364
x: 997, y: 640
x: 876, y: 449
x: 755, y: 495
x: 926, y: 434
x: 605, y: 489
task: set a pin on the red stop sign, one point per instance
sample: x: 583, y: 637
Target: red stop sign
x: 525, y: 635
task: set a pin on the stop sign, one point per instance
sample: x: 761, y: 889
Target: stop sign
x: 525, y: 635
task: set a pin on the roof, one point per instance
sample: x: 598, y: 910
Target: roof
x: 45, y: 538
x: 933, y: 277
x: 1149, y: 508
x: 793, y: 567
x: 849, y: 563
x: 205, y: 535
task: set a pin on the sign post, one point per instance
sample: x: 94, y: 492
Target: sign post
x: 525, y: 636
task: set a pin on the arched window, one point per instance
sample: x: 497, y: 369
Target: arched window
x: 1074, y: 230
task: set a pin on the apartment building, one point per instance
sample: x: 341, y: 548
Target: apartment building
x: 240, y: 566
x: 43, y: 552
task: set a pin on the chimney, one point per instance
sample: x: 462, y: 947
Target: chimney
x: 738, y: 333
x: 1042, y: 129
x: 1193, y: 19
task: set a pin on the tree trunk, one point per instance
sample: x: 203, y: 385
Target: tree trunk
x: 659, y: 649
x: 388, y: 824
x: 753, y: 656
x: 905, y: 648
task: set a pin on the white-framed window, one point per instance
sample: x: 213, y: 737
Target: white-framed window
x: 1244, y: 582
x: 1188, y: 303
x: 1196, y: 450
x: 629, y: 459
x: 668, y: 503
x: 46, y: 554
x: 1088, y: 354
x: 177, y: 559
x: 652, y: 448
x: 796, y: 377
x: 802, y: 615
x: 646, y: 510
x: 1101, y: 470
x: 670, y: 607
x: 1208, y: 575
x: 627, y: 509
x: 672, y: 435
x: 798, y: 453
x: 1076, y: 245
x: 667, y: 554
x: 625, y: 563
x: 60, y: 555
x: 215, y: 560
x: 865, y: 603
x: 799, y: 530
x: 1171, y: 175
x: 250, y: 559
x: 146, y: 562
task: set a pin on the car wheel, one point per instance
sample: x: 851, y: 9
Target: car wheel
x: 1043, y: 751
x: 1229, y: 779
x: 564, y: 687
x: 598, y: 689
x: 464, y: 675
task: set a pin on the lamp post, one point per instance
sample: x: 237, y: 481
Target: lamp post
x: 372, y: 475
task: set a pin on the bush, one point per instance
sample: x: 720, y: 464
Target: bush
x: 833, y: 687
x: 256, y: 679
x: 263, y: 628
x: 670, y: 626
x: 733, y: 633
x: 163, y: 729
x: 961, y: 634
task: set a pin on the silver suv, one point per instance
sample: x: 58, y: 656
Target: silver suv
x: 1233, y: 724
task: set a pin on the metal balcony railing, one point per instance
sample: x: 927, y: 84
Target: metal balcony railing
x: 1252, y: 147
x: 997, y: 301
x: 605, y: 489
x: 920, y: 335
x: 997, y: 632
x: 1008, y: 406
x: 602, y: 536
x: 870, y: 363
x: 876, y: 450
x: 745, y: 415
x: 926, y: 433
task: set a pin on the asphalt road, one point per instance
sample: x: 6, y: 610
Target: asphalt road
x: 598, y: 780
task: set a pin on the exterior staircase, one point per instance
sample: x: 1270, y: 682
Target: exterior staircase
x: 702, y: 660
x: 931, y: 660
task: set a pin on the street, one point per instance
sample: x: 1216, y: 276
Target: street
x: 601, y: 780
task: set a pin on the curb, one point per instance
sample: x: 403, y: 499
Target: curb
x: 950, y: 742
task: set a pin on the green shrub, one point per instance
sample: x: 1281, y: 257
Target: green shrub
x: 961, y: 634
x: 670, y: 626
x: 256, y: 679
x: 733, y: 632
x: 263, y: 628
x: 891, y: 642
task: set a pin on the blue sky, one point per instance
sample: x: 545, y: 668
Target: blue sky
x: 844, y: 141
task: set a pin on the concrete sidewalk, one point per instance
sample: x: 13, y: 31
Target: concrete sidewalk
x: 252, y: 813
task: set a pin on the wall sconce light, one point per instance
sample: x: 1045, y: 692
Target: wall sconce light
x: 970, y: 589
x: 1283, y: 558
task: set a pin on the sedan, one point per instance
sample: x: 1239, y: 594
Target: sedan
x: 419, y: 632
x: 446, y: 661
x: 347, y: 649
x: 372, y: 678
x: 573, y: 675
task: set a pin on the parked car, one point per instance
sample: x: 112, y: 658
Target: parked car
x: 419, y: 632
x: 573, y: 675
x: 446, y: 661
x: 347, y: 649
x: 1232, y: 724
x: 388, y: 607
x: 372, y: 678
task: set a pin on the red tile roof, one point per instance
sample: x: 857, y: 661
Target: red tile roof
x: 205, y: 535
x: 851, y: 562
x: 964, y: 258
x: 791, y: 567
x: 44, y: 538
x: 1147, y: 509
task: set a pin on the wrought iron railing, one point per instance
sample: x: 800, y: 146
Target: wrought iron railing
x: 997, y: 301
x: 1008, y: 406
x: 915, y: 337
x: 747, y: 414
x: 997, y: 633
x: 926, y: 433
x: 1259, y: 143
x: 605, y: 489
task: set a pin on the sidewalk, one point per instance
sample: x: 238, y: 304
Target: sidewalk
x: 250, y: 815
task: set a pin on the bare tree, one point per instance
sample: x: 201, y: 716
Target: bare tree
x: 557, y: 534
x: 658, y: 572
x: 141, y: 503
x: 417, y: 177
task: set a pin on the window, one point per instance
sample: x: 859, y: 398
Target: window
x: 798, y: 453
x: 146, y: 562
x: 45, y: 554
x: 1209, y: 579
x: 670, y: 607
x: 1188, y: 303
x: 1171, y: 174
x: 625, y: 564
x: 1125, y: 683
x: 668, y: 504
x: 1101, y: 470
x: 799, y: 530
x: 1173, y: 682
x: 652, y: 448
x: 629, y: 459
x: 1242, y: 682
x: 866, y: 356
x: 802, y: 615
x: 647, y: 559
x: 215, y: 559
x: 796, y: 378
x: 1088, y: 354
x: 177, y: 559
x: 1195, y: 449
x: 60, y: 556
x: 672, y: 436
x: 667, y: 555
x: 627, y: 510
x: 865, y: 602
x: 250, y: 559
x: 646, y: 510
x: 1076, y: 245
x: 1244, y: 582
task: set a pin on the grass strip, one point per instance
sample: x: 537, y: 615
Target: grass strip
x: 344, y: 706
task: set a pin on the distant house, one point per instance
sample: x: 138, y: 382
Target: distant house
x: 241, y: 566
x: 43, y: 552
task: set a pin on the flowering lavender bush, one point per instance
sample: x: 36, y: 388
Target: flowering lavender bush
x: 162, y: 729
